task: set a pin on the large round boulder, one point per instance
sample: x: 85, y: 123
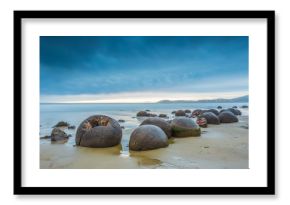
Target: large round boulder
x: 184, y: 127
x: 165, y: 126
x: 214, y: 111
x: 58, y: 135
x: 202, y: 122
x: 196, y: 113
x: 228, y: 117
x: 147, y: 137
x: 180, y: 113
x: 142, y: 114
x: 211, y: 118
x: 233, y: 110
x: 99, y: 131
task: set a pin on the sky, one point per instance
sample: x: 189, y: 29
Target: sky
x: 76, y: 69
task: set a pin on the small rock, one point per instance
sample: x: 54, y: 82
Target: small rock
x: 180, y: 113
x: 57, y: 135
x: 121, y: 120
x: 46, y: 137
x: 162, y: 115
x: 72, y: 127
x: 61, y: 124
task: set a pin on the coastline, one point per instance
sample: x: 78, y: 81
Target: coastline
x: 223, y: 146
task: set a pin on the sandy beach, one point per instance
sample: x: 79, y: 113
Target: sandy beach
x: 223, y: 146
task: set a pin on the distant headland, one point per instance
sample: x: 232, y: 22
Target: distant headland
x: 219, y: 100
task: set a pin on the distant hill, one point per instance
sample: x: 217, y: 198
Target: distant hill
x: 220, y: 100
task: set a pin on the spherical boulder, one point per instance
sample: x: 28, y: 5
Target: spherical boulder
x: 234, y: 111
x: 228, y: 117
x: 202, y: 122
x: 219, y: 107
x: 98, y: 131
x: 196, y: 113
x: 214, y: 111
x: 211, y: 118
x: 180, y: 113
x: 187, y: 111
x: 165, y: 126
x: 142, y: 114
x: 147, y: 137
x: 58, y: 135
x: 184, y: 127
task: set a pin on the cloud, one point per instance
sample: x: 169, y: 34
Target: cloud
x: 102, y: 65
x: 137, y: 97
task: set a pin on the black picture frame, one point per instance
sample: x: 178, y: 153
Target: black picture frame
x: 268, y: 190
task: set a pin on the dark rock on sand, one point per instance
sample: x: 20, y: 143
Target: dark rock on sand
x: 58, y: 135
x: 211, y: 118
x: 165, y: 126
x: 244, y: 106
x: 180, y: 113
x: 184, y: 127
x: 72, y: 127
x: 235, y: 107
x: 142, y: 114
x: 196, y: 113
x: 173, y: 112
x: 162, y: 115
x: 145, y: 114
x: 45, y: 137
x: 202, y: 122
x: 219, y: 107
x: 98, y: 131
x: 121, y: 120
x: 227, y: 117
x: 187, y: 111
x: 234, y: 111
x: 61, y: 124
x: 147, y: 110
x: 147, y: 137
x: 214, y: 111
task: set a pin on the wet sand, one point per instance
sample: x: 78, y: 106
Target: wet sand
x: 223, y: 146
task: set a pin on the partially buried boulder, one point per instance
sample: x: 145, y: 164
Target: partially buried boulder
x: 98, y: 131
x: 214, y: 111
x: 202, y: 122
x: 187, y: 111
x: 162, y: 115
x: 211, y: 118
x: 180, y: 113
x: 184, y: 127
x: 142, y: 114
x: 228, y: 117
x: 219, y: 107
x: 165, y: 126
x: 58, y: 135
x: 234, y: 111
x: 147, y: 137
x: 145, y: 114
x: 196, y: 113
